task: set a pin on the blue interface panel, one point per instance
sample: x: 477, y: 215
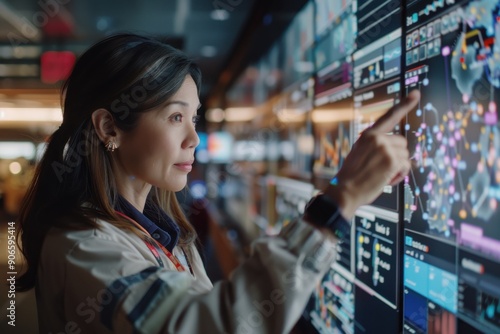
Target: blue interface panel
x: 451, y: 197
x: 425, y: 255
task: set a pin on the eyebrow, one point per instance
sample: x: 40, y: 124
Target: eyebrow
x: 185, y: 104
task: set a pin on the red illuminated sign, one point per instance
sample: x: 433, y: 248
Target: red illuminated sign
x: 56, y: 65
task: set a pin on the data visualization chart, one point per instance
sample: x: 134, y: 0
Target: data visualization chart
x: 454, y: 60
x: 376, y: 265
x: 451, y: 196
x: 332, y: 305
x: 479, y: 291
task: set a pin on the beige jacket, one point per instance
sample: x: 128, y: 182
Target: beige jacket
x: 108, y: 281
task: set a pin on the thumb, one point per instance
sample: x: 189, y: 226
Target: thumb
x: 393, y: 116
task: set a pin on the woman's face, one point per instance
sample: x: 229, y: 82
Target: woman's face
x: 160, y: 150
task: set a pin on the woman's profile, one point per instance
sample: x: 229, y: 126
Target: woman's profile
x: 107, y: 246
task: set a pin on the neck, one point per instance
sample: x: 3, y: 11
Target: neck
x: 134, y: 191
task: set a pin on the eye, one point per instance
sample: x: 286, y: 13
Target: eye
x: 177, y: 118
x: 196, y: 119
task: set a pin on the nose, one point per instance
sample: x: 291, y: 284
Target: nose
x: 192, y: 139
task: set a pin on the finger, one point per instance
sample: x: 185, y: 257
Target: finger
x: 403, y: 171
x: 388, y: 121
x: 397, y: 141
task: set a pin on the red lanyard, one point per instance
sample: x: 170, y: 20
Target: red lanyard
x: 170, y: 256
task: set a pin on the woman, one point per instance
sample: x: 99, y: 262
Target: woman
x: 107, y: 246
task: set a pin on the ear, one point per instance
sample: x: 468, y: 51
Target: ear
x: 105, y: 127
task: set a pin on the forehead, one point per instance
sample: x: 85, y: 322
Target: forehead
x: 188, y: 90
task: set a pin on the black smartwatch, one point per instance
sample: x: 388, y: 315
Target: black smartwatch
x: 323, y: 211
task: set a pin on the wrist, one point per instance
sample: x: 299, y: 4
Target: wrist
x: 339, y: 193
x: 324, y: 213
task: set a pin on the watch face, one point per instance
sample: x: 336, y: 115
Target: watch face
x: 323, y: 211
x: 320, y: 210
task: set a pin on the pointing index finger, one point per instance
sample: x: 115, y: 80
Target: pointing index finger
x: 388, y: 121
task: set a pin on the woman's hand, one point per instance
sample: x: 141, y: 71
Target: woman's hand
x: 378, y: 158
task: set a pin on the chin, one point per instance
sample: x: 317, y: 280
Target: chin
x: 178, y: 186
x: 175, y: 187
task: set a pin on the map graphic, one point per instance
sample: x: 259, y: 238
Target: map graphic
x: 454, y: 134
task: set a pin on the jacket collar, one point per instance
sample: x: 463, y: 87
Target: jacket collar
x: 154, y: 220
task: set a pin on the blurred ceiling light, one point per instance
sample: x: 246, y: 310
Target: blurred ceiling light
x: 219, y: 15
x: 14, y: 150
x: 215, y: 115
x: 15, y: 167
x: 208, y: 51
x: 240, y: 114
x: 53, y: 115
x: 331, y: 115
x: 289, y: 115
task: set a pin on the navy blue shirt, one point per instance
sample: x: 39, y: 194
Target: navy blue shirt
x: 154, y: 220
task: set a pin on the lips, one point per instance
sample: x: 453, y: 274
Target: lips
x: 185, y: 165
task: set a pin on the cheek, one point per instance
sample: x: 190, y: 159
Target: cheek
x: 155, y: 150
x: 163, y: 145
x: 151, y: 150
x: 135, y: 152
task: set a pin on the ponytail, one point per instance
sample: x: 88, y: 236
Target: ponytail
x: 40, y: 197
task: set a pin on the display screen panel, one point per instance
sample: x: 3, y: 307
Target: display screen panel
x: 451, y: 194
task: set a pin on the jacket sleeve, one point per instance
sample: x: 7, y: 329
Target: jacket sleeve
x: 266, y: 294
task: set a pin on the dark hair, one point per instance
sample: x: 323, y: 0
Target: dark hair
x: 128, y: 75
